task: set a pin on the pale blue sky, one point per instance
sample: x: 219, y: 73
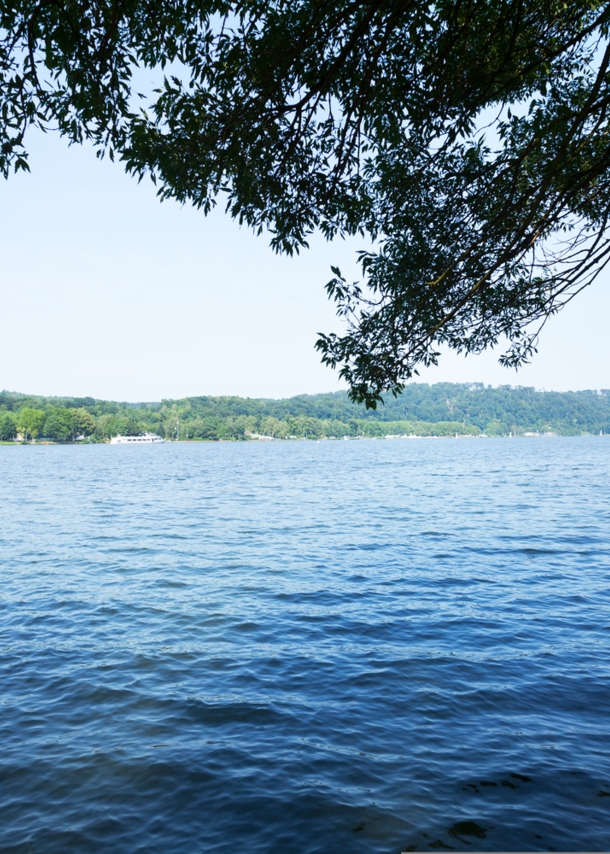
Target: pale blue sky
x: 106, y: 292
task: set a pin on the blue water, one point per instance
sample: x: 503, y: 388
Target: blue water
x: 305, y: 647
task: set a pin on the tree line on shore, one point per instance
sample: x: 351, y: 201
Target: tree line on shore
x: 442, y: 409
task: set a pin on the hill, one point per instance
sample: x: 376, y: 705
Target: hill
x: 442, y: 409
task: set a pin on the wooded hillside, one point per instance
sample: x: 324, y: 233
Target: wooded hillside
x: 443, y: 409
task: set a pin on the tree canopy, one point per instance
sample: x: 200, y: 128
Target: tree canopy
x: 443, y: 409
x: 466, y: 139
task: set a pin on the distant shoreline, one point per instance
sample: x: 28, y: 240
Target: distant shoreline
x: 40, y: 444
x: 421, y: 411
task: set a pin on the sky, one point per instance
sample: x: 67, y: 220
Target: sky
x: 107, y: 292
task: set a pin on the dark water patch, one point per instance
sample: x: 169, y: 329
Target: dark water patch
x: 467, y: 828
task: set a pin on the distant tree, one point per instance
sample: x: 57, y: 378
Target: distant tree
x: 84, y: 423
x: 8, y: 427
x: 104, y: 426
x: 128, y: 426
x: 60, y: 425
x: 30, y: 422
x: 211, y: 428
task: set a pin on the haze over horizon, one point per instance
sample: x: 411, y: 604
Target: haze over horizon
x: 110, y: 294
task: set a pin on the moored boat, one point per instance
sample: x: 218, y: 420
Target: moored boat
x: 146, y: 439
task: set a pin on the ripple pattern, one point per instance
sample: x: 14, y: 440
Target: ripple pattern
x: 374, y: 646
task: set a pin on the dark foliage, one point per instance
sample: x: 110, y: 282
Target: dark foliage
x: 468, y: 140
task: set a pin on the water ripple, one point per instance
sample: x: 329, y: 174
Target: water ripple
x: 305, y: 647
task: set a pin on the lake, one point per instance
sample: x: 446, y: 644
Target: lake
x: 298, y: 647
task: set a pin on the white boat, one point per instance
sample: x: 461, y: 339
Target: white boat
x: 146, y: 439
